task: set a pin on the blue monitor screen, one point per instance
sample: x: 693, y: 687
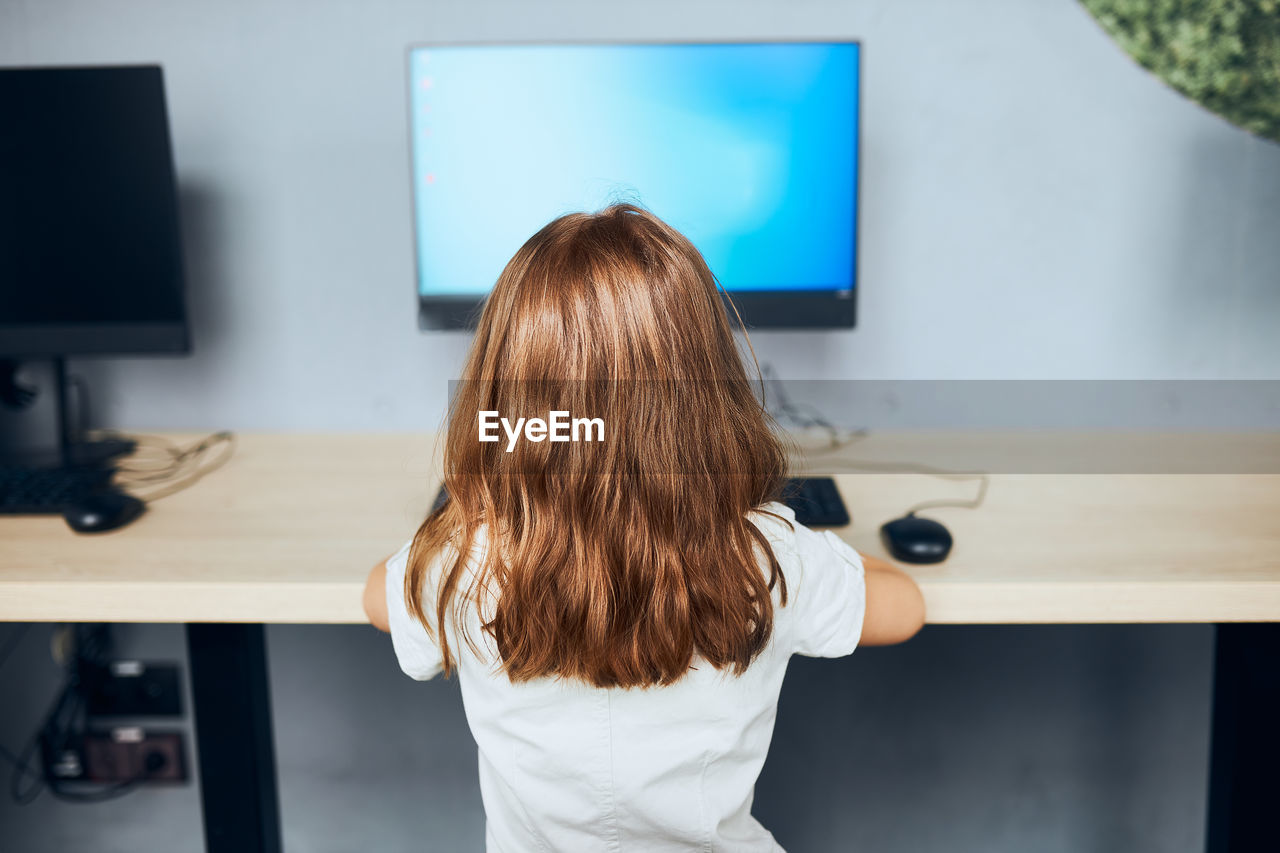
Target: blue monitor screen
x: 749, y: 149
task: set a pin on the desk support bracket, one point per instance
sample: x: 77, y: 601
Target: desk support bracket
x: 233, y: 737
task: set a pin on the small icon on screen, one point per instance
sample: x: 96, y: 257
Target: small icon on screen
x: 426, y: 83
x: 431, y: 177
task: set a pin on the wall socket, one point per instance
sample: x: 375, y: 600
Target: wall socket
x: 130, y: 753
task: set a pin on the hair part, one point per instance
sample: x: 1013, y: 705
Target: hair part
x: 613, y: 562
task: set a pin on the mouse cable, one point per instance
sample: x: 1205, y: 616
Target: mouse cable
x: 160, y: 467
x: 976, y: 501
x: 802, y: 415
x: 808, y: 417
x: 155, y: 460
x: 984, y: 481
x: 157, y: 457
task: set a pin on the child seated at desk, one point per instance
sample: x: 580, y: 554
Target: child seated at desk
x: 620, y: 608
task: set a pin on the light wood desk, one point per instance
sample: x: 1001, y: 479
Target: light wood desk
x: 287, y: 531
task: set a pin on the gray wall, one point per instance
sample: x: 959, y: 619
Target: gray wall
x: 1033, y: 206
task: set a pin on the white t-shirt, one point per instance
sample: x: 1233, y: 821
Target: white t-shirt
x: 565, y: 766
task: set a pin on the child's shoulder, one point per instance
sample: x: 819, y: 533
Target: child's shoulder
x: 777, y: 522
x: 798, y: 548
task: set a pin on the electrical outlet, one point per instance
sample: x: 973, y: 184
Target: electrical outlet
x: 130, y: 753
x: 131, y: 688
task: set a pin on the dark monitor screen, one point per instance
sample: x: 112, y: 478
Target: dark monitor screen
x: 750, y: 149
x: 90, y: 249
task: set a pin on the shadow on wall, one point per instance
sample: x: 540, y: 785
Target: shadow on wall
x: 206, y: 247
x: 1222, y: 273
x: 1256, y: 255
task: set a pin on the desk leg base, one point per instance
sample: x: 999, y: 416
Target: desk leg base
x: 233, y: 737
x: 1244, y: 768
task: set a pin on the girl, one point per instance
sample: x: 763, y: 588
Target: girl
x: 620, y: 608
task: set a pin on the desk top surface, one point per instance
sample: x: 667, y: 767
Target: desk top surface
x: 288, y: 529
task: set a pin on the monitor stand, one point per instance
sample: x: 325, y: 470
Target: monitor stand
x: 36, y: 428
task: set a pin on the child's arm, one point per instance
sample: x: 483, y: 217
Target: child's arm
x: 895, y: 607
x: 375, y: 597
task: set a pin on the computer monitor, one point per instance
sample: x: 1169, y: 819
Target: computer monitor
x: 90, y: 246
x: 749, y: 149
x: 90, y: 251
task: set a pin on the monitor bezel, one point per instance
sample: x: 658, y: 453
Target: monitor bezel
x: 53, y: 340
x: 759, y: 309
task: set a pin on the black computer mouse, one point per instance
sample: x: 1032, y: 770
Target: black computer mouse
x: 912, y: 539
x: 103, y: 511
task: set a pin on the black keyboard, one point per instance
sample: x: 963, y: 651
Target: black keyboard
x: 815, y: 500
x: 48, y: 491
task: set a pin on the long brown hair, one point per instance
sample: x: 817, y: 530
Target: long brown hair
x: 613, y: 562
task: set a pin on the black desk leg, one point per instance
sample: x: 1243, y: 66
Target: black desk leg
x: 1244, y: 770
x: 233, y: 735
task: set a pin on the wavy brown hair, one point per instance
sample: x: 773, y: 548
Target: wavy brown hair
x: 613, y: 562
